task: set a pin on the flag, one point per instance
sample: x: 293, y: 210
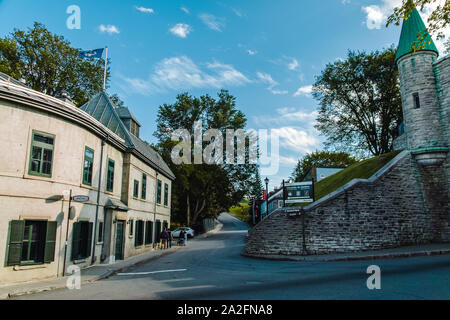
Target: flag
x: 97, y: 53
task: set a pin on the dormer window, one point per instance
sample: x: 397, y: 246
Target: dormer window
x: 134, y: 128
x: 416, y: 100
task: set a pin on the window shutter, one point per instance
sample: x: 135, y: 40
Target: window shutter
x: 136, y: 236
x: 50, y: 242
x: 89, y: 239
x: 16, y: 229
x: 76, y: 230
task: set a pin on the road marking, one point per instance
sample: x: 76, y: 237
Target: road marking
x: 150, y: 272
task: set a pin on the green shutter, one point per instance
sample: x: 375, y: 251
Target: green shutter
x: 16, y: 229
x: 50, y: 242
x: 89, y: 240
x: 76, y: 230
x: 136, y: 236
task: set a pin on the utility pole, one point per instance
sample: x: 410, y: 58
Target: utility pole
x: 67, y: 234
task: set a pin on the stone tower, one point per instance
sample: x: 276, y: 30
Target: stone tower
x: 424, y: 114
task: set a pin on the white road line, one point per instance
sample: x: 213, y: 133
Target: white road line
x: 150, y: 272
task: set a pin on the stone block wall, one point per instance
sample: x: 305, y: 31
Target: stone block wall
x: 442, y: 74
x: 391, y: 209
x: 418, y: 76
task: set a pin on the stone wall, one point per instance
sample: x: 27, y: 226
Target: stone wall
x: 442, y: 73
x: 390, y: 209
x: 418, y: 76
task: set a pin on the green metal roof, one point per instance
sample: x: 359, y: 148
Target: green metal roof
x: 412, y: 26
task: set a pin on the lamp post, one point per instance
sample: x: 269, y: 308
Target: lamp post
x: 267, y: 195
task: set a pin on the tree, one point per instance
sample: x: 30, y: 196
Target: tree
x: 321, y: 159
x: 203, y: 190
x: 49, y: 64
x: 117, y: 101
x: 437, y: 21
x: 360, y: 102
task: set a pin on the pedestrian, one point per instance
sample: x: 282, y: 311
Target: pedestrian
x: 185, y: 237
x: 182, y: 233
x: 169, y: 239
x: 164, y: 237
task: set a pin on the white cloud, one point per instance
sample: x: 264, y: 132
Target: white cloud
x: 375, y: 17
x: 293, y: 64
x: 251, y: 52
x: 181, y: 30
x: 267, y: 78
x: 181, y: 73
x: 186, y: 10
x: 284, y: 116
x: 304, y: 91
x: 288, y: 161
x: 297, y: 139
x: 145, y: 10
x: 237, y: 12
x: 110, y: 29
x: 212, y: 22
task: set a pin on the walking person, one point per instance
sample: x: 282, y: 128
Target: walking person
x: 185, y: 237
x: 164, y: 237
x: 181, y: 237
x: 169, y: 239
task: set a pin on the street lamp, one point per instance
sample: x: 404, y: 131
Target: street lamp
x: 267, y: 195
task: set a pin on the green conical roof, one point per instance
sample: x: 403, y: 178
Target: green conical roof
x: 412, y: 26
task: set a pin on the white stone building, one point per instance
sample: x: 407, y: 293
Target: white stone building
x: 51, y: 150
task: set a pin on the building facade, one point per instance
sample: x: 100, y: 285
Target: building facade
x: 77, y: 185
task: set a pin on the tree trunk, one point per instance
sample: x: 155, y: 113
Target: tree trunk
x: 198, y: 211
x: 188, y: 203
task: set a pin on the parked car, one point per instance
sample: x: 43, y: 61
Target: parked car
x: 190, y: 232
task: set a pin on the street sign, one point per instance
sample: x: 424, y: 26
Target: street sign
x: 80, y: 198
x: 294, y: 212
x: 300, y: 192
x: 264, y: 195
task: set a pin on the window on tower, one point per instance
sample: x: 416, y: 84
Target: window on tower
x: 416, y: 100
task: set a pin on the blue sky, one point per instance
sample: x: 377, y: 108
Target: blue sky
x: 266, y: 53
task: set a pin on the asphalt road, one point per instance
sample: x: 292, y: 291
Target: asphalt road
x: 212, y: 268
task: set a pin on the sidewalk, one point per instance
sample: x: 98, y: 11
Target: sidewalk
x: 402, y: 252
x: 90, y: 274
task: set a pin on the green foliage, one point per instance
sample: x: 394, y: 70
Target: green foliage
x: 241, y: 212
x: 202, y: 190
x: 48, y: 63
x: 360, y: 102
x: 437, y: 21
x: 321, y: 159
x: 360, y: 170
x: 117, y: 101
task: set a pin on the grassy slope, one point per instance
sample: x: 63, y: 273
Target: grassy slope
x: 240, y: 212
x: 361, y: 170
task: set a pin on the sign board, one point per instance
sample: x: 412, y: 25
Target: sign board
x: 294, y: 212
x: 264, y: 195
x: 300, y: 192
x: 80, y: 198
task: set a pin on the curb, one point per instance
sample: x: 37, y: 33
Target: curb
x: 340, y: 259
x: 104, y: 275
